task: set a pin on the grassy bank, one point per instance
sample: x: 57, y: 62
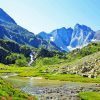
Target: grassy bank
x: 7, y: 91
x: 72, y: 78
x: 90, y: 95
x: 61, y: 77
x: 30, y: 71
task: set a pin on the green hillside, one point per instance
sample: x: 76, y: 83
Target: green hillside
x: 12, y: 53
x: 80, y: 61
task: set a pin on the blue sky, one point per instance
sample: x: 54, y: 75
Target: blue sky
x: 46, y: 15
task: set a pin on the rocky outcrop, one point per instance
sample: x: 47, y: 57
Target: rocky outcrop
x: 88, y: 66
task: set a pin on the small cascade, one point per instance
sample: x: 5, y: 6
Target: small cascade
x: 33, y: 56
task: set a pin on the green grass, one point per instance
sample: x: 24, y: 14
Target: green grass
x: 62, y: 77
x: 12, y: 68
x: 90, y: 95
x: 7, y: 91
x: 72, y: 78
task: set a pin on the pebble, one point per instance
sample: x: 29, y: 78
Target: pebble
x: 59, y: 93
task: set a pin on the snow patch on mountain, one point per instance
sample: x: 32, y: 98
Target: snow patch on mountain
x: 52, y: 39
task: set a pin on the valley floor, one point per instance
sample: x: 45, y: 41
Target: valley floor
x: 69, y: 69
x: 49, y: 89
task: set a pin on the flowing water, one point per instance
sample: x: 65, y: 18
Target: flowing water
x: 31, y: 59
x: 33, y: 56
x: 51, y: 89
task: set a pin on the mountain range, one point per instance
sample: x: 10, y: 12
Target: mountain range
x: 59, y: 39
x: 68, y: 39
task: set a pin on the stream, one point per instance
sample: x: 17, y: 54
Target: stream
x: 50, y: 89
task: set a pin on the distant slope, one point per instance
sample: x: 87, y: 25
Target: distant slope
x: 9, y: 30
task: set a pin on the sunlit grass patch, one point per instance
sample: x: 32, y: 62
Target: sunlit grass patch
x: 90, y: 95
